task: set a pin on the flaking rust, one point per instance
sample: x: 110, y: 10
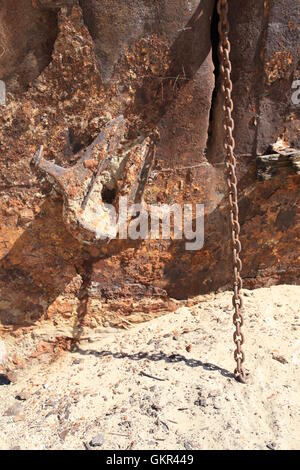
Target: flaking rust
x: 112, y: 166
x: 281, y: 162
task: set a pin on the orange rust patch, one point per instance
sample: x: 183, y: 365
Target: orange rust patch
x: 278, y: 66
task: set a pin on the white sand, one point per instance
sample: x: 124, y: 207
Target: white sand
x: 194, y: 406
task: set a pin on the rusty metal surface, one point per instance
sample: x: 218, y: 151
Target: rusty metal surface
x: 266, y: 60
x: 278, y: 115
x: 64, y: 104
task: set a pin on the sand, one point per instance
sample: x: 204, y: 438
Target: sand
x: 167, y: 384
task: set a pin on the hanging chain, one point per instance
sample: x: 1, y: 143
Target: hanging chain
x: 229, y: 145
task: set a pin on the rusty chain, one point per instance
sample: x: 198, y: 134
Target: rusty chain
x: 230, y: 162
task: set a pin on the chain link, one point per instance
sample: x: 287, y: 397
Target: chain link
x: 230, y: 162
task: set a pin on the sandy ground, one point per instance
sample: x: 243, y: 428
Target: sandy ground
x: 104, y: 391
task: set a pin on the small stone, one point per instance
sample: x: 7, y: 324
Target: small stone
x: 4, y: 380
x: 217, y: 400
x: 63, y: 433
x: 201, y: 402
x: 97, y: 441
x: 17, y: 361
x: 155, y: 407
x: 76, y: 361
x: 22, y: 396
x: 271, y: 446
x: 188, y: 445
x: 13, y: 410
x: 247, y: 294
x: 188, y: 348
x: 280, y: 359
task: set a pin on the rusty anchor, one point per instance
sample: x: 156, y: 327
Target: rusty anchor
x: 111, y: 167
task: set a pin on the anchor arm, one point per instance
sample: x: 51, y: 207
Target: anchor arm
x: 111, y: 164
